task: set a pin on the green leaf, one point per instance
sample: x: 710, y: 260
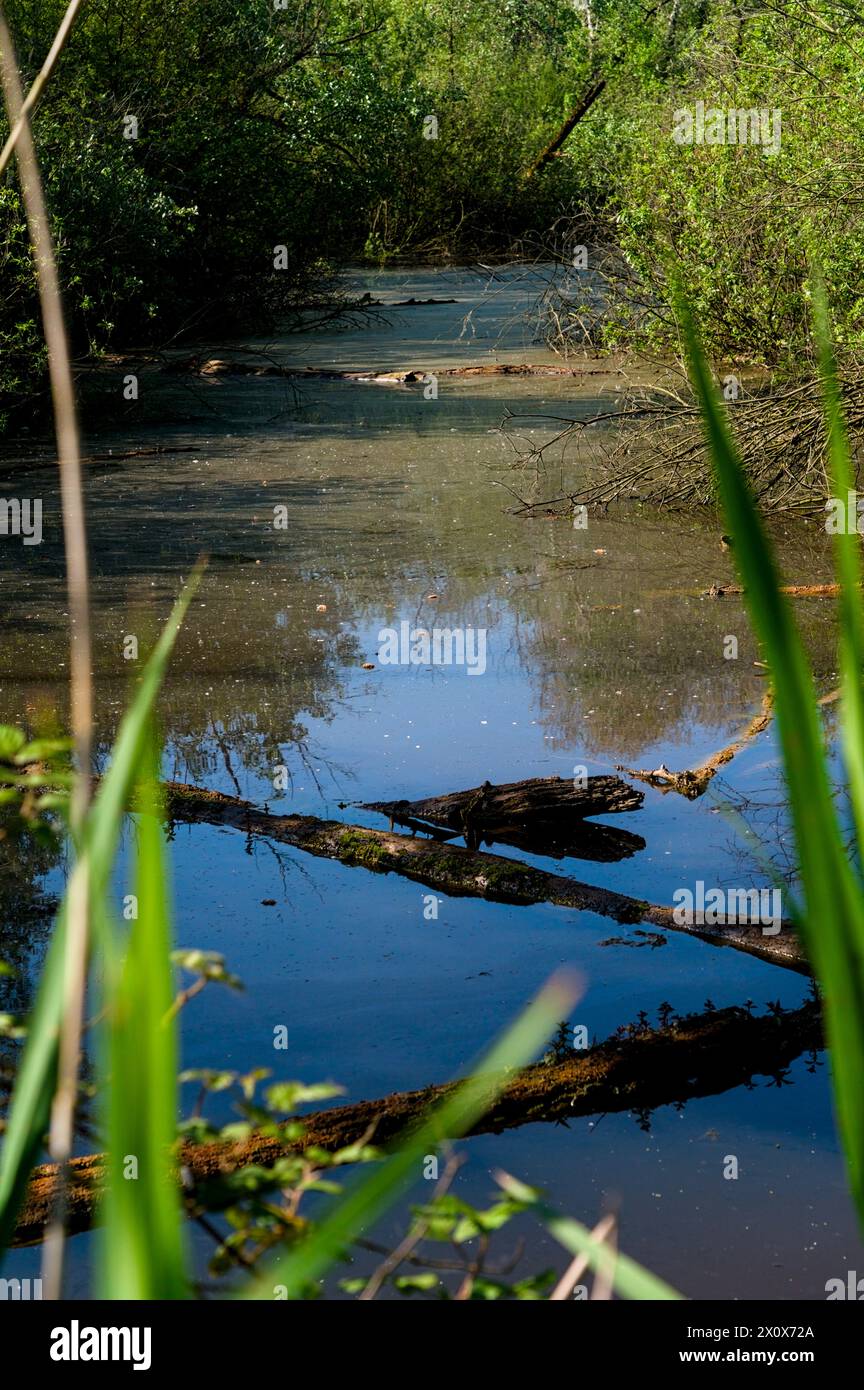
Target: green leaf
x: 42, y: 750
x: 285, y: 1096
x: 353, y: 1285
x: 416, y: 1283
x: 235, y: 1132
x: 12, y: 740
x: 210, y: 964
x: 142, y: 1239
x: 831, y: 922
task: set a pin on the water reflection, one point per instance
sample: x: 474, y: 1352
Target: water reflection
x: 602, y: 648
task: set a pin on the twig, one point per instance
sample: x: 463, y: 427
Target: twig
x: 604, y: 1279
x: 62, y: 1124
x: 694, y: 781
x: 408, y: 1245
x: 574, y: 1271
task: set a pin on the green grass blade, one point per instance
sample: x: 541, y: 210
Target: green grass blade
x: 832, y: 923
x: 35, y: 1081
x: 624, y: 1274
x: 847, y: 560
x: 370, y: 1198
x: 112, y: 800
x: 142, y: 1241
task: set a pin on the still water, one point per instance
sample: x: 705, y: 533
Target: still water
x: 601, y: 649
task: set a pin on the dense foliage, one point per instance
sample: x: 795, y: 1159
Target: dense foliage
x: 183, y: 142
x: 737, y: 218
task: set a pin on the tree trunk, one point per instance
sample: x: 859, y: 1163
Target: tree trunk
x: 467, y: 873
x: 700, y: 1055
x: 589, y: 96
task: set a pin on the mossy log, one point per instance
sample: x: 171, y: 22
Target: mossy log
x: 460, y: 872
x: 700, y: 1055
x: 528, y: 814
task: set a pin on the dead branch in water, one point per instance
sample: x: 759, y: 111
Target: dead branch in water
x: 790, y: 590
x: 694, y: 781
x: 540, y: 815
x: 638, y: 1070
x: 218, y: 367
x: 594, y: 90
x: 660, y: 455
x: 460, y: 872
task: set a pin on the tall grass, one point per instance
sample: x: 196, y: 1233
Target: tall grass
x: 142, y: 1240
x: 831, y: 918
x: 37, y: 1077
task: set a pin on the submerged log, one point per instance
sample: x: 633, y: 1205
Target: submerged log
x: 410, y: 376
x: 467, y: 873
x: 517, y: 813
x: 700, y: 1055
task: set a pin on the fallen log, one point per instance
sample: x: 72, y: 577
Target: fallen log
x: 408, y: 303
x: 637, y: 1070
x: 694, y: 781
x: 220, y: 366
x: 522, y: 813
x: 790, y: 590
x: 466, y: 873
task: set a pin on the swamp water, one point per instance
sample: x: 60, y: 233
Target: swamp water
x: 600, y: 649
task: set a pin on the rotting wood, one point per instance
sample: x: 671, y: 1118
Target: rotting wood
x: 790, y: 590
x: 411, y: 303
x: 218, y: 367
x: 529, y: 814
x: 694, y: 781
x: 155, y: 450
x: 697, y: 1056
x: 461, y: 872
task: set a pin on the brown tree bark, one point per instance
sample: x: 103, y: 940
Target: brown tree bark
x: 466, y: 873
x: 528, y: 813
x: 586, y: 101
